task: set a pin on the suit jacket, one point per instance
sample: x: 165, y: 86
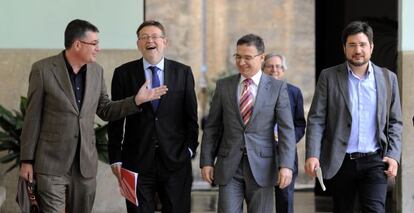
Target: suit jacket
x: 225, y: 133
x: 296, y: 106
x: 174, y: 124
x: 329, y: 120
x: 54, y: 126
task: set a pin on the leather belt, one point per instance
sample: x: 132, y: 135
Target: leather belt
x: 356, y: 155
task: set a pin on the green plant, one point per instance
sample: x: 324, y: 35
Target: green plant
x: 11, y: 123
x: 102, y: 142
x: 11, y: 127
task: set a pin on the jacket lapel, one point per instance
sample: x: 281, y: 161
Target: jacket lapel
x: 231, y: 91
x: 342, y: 80
x: 90, y: 85
x: 382, y: 93
x: 168, y: 79
x: 262, y: 92
x: 62, y: 76
x: 138, y: 79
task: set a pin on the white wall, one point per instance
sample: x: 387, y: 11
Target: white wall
x: 41, y: 23
x: 406, y: 25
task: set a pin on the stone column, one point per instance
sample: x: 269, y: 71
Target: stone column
x: 405, y: 189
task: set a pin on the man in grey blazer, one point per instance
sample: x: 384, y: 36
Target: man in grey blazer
x: 58, y: 139
x: 348, y: 135
x: 238, y: 150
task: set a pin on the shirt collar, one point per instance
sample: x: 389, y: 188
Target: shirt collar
x: 255, y: 78
x: 160, y: 64
x: 368, y: 73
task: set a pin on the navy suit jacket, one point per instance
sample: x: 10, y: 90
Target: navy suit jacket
x: 296, y: 105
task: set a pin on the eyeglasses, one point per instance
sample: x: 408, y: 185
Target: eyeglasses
x: 271, y: 66
x: 245, y: 57
x: 354, y: 45
x: 90, y: 43
x: 147, y: 37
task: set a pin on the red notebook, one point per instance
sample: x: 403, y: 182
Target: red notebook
x: 129, y: 180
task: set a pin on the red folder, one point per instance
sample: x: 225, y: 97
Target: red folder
x: 129, y: 180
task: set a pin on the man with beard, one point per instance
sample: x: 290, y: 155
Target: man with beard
x: 354, y: 125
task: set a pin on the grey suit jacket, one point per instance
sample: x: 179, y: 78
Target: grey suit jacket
x: 225, y: 133
x: 329, y: 119
x: 53, y: 122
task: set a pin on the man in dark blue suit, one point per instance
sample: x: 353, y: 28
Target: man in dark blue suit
x: 275, y: 66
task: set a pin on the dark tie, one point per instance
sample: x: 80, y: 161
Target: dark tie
x: 155, y: 84
x: 246, y: 101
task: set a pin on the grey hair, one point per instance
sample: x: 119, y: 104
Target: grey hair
x: 271, y: 55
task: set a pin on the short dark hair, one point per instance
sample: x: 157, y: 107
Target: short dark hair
x: 151, y: 23
x: 77, y: 29
x: 356, y: 27
x: 252, y: 39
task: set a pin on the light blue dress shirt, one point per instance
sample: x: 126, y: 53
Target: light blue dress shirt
x: 148, y: 72
x: 363, y: 98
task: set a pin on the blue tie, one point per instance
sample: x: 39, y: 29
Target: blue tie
x: 155, y: 84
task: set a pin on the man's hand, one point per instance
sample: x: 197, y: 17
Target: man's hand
x: 116, y: 170
x: 26, y: 172
x: 392, y: 167
x: 207, y: 173
x: 310, y: 165
x: 285, y: 177
x: 144, y: 94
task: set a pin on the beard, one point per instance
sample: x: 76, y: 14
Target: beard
x: 357, y: 63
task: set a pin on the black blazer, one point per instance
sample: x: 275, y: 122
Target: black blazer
x: 174, y: 124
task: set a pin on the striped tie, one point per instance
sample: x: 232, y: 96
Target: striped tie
x: 246, y: 101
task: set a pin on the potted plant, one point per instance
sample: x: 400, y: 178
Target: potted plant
x: 11, y: 123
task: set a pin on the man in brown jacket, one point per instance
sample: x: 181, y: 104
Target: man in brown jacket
x: 58, y: 140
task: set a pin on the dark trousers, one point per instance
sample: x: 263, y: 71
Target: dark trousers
x: 364, y: 177
x: 173, y: 189
x: 284, y: 197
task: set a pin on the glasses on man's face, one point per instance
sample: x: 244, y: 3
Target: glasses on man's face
x: 355, y: 45
x: 95, y: 43
x: 273, y: 66
x: 238, y: 57
x: 146, y: 37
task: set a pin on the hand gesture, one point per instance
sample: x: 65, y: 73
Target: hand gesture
x: 145, y: 94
